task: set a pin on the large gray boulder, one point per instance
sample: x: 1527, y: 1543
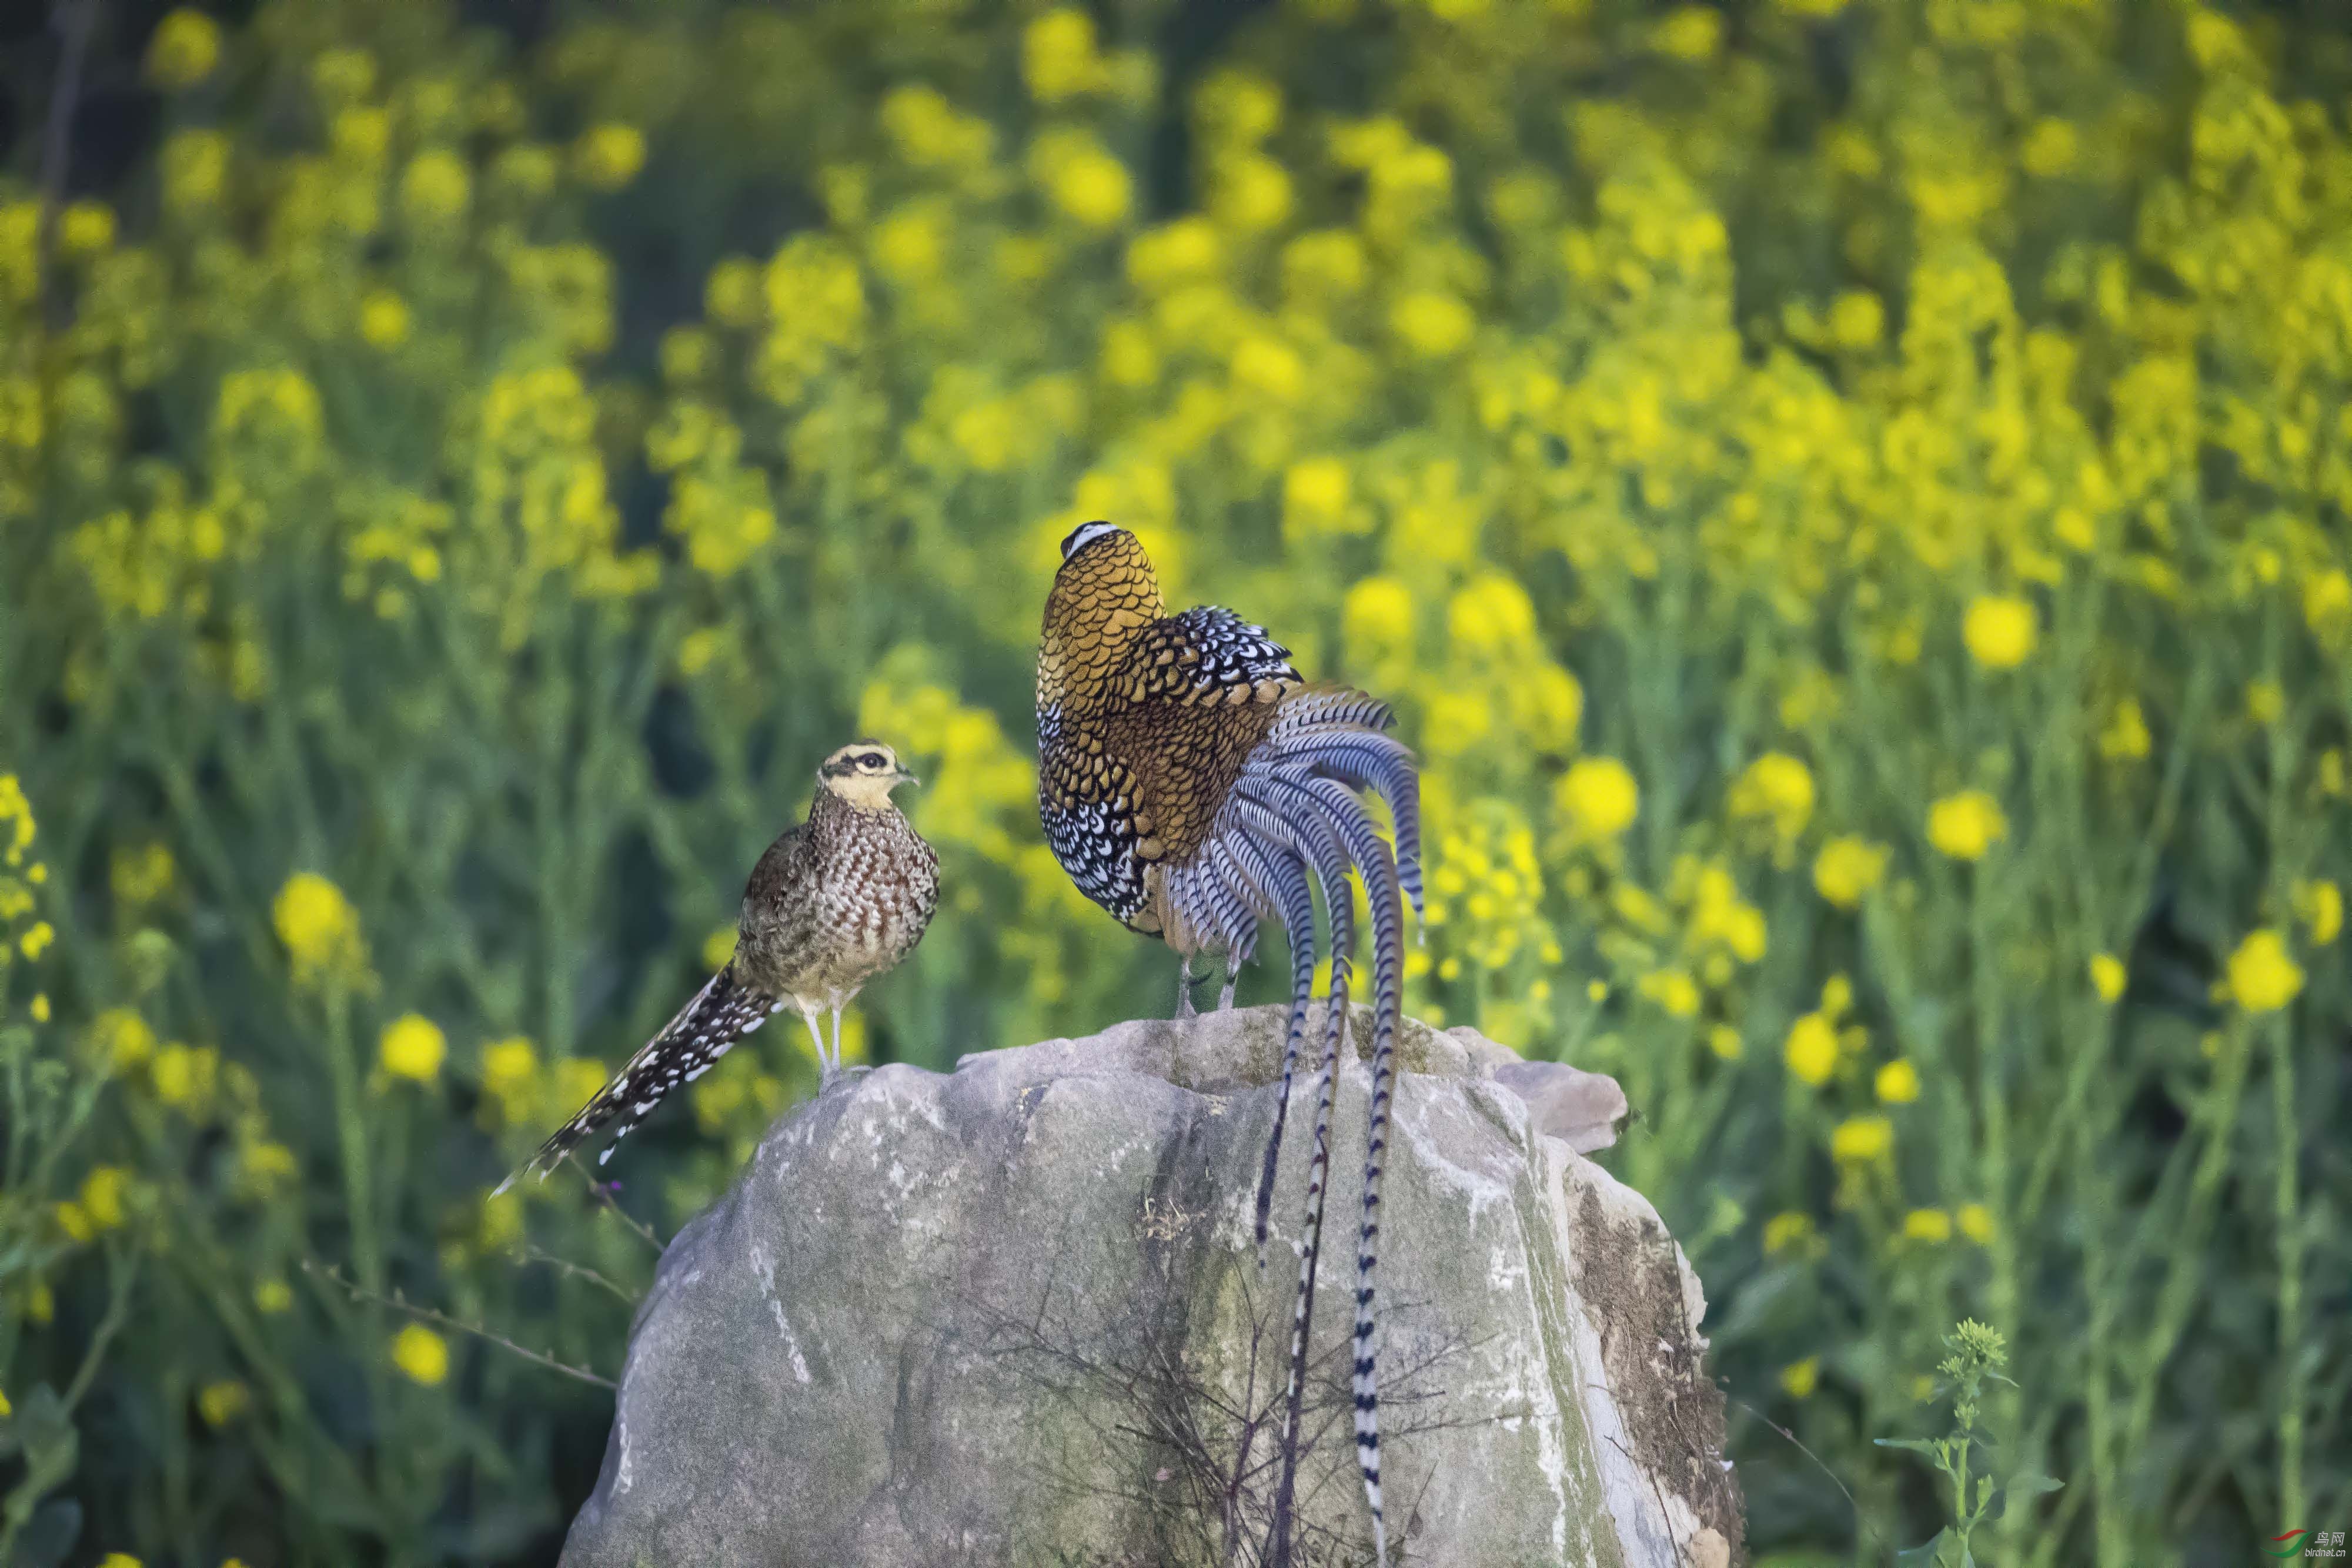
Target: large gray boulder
x: 1013, y: 1314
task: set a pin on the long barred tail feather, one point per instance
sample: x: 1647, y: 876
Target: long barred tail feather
x: 1297, y: 904
x: 1370, y: 854
x: 1319, y: 1169
x: 1295, y: 818
x: 721, y: 1013
x: 1306, y: 839
x: 1278, y: 799
x: 1340, y: 733
x: 1387, y: 968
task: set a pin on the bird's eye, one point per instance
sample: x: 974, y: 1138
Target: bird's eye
x: 871, y: 760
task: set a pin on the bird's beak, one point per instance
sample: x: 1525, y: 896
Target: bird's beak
x: 906, y: 776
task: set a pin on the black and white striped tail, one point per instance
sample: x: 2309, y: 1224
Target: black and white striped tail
x: 1293, y: 820
x: 721, y: 1013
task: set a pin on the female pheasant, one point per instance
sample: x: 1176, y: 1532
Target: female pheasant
x: 835, y: 901
x: 1192, y: 785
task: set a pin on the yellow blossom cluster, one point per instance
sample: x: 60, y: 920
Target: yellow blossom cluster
x: 1853, y: 560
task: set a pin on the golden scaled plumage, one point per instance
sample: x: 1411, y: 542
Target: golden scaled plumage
x: 1147, y: 715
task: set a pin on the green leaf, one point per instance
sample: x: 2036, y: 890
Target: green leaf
x: 1924, y: 1556
x: 51, y: 1536
x: 1927, y: 1445
x: 2017, y: 1495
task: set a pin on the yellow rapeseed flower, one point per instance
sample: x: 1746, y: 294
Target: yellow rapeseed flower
x: 2265, y: 701
x: 1376, y: 620
x: 223, y: 1402
x: 186, y: 1077
x: 1999, y: 630
x: 422, y: 1355
x: 1691, y: 32
x: 1315, y: 496
x: 1837, y: 995
x: 271, y: 1297
x: 264, y: 1166
x: 2262, y: 977
x: 1599, y: 797
x: 577, y: 1078
x: 6, y: 1409
x: 608, y: 156
x: 1491, y: 615
x: 1790, y: 1231
x: 2049, y: 149
x: 1847, y: 868
x: 2107, y: 977
x: 86, y: 228
x: 1857, y: 320
x: 1082, y: 179
x: 2320, y: 906
x: 1433, y: 325
x: 1058, y: 55
x: 2126, y: 738
x: 1858, y: 1140
x: 384, y: 320
x: 194, y: 169
x: 117, y: 1560
x: 1249, y: 192
x: 1976, y: 1222
x: 1673, y: 990
x: 435, y: 188
x: 1964, y: 826
x: 102, y: 1193
x: 319, y: 929
x: 1811, y: 1051
x: 184, y: 50
x: 1327, y: 264
x: 508, y: 1065
x: 1266, y: 366
x: 1799, y: 1378
x: 413, y: 1047
x: 141, y: 876
x: 2327, y: 606
x: 1898, y: 1083
x: 1928, y: 1225
x: 1776, y: 788
x: 36, y: 939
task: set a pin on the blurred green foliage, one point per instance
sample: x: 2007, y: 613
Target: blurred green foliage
x: 1849, y: 498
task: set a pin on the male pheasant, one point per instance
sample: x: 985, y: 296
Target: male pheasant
x: 1192, y: 785
x: 834, y: 901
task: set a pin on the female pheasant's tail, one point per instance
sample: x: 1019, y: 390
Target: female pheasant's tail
x: 721, y: 1013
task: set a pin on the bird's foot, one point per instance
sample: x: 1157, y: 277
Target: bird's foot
x: 1185, y: 981
x: 1225, y: 996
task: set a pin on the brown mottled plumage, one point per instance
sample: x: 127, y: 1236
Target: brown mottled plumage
x: 833, y: 902
x: 1194, y: 786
